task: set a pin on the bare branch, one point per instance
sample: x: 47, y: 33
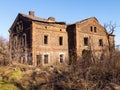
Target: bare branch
x: 110, y: 27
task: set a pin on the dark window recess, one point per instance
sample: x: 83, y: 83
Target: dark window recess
x: 95, y: 29
x: 60, y: 40
x: 100, y: 42
x: 21, y: 41
x: 24, y: 40
x: 86, y: 41
x: 45, y: 39
x: 61, y: 58
x: 38, y: 57
x: 46, y: 59
x: 91, y: 29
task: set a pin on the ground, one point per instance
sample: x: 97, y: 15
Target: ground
x: 16, y: 76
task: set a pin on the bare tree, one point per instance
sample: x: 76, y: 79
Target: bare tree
x: 110, y: 29
x: 4, y: 51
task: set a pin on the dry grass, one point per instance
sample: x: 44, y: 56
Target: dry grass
x: 83, y: 75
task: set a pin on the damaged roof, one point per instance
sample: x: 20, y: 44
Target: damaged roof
x: 34, y: 18
x: 91, y: 18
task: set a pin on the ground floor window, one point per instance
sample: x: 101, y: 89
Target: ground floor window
x: 38, y: 59
x: 61, y: 58
x: 100, y: 42
x: 86, y: 41
x: 86, y: 54
x: 46, y: 57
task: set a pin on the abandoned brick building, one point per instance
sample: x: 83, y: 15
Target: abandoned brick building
x: 37, y: 41
x: 89, y: 40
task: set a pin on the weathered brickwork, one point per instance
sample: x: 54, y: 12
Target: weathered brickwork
x: 53, y: 32
x: 37, y: 41
x: 89, y: 36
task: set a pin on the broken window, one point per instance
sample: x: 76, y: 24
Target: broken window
x: 60, y: 40
x: 100, y: 42
x: 86, y: 41
x: 24, y: 40
x: 19, y: 26
x: 95, y: 29
x: 38, y: 57
x: 45, y: 39
x: 61, y: 58
x: 15, y: 41
x: 46, y: 59
x: 91, y: 29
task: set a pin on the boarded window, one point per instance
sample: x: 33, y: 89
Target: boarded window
x: 46, y: 59
x: 61, y: 58
x: 60, y: 40
x: 85, y: 41
x: 100, y: 42
x: 45, y: 39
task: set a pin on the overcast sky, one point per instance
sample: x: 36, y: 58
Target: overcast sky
x: 69, y: 11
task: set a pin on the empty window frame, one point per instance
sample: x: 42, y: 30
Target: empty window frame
x: 100, y: 42
x: 91, y: 28
x: 38, y: 57
x: 45, y: 39
x: 61, y: 40
x: 61, y: 58
x: 24, y: 42
x: 86, y: 41
x: 46, y: 57
x: 95, y: 29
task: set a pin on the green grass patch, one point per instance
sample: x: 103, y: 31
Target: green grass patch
x: 8, y: 87
x: 15, y: 75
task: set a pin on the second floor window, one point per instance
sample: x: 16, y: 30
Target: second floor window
x: 60, y: 40
x: 91, y: 29
x: 45, y: 39
x: 86, y: 41
x: 95, y: 29
x: 100, y: 42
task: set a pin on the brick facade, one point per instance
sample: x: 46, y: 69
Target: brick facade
x: 89, y: 36
x: 39, y: 41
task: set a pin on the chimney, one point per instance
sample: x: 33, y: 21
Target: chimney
x: 51, y: 19
x: 31, y: 13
